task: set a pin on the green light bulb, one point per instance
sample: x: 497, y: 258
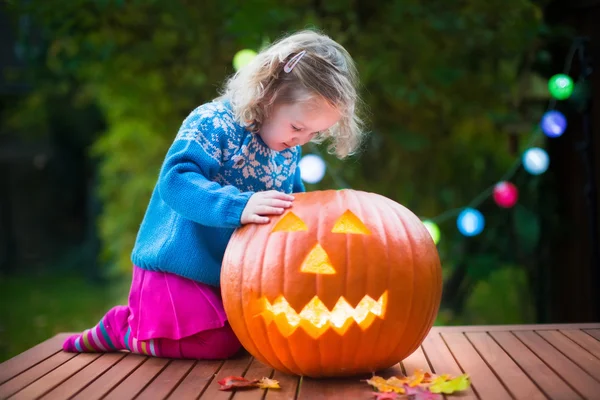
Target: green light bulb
x: 434, y: 230
x: 561, y: 86
x: 243, y: 58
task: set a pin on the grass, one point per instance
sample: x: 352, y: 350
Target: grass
x: 503, y: 298
x: 33, y: 309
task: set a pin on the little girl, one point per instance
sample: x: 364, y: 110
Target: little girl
x: 234, y: 161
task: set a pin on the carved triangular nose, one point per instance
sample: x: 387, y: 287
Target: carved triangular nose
x: 317, y: 262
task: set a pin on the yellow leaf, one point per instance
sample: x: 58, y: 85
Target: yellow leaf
x: 267, y: 383
x: 399, y: 382
x: 440, y: 379
x: 459, y: 383
x: 429, y: 377
x: 416, y: 378
x: 391, y: 385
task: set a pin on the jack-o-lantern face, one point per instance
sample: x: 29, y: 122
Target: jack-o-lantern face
x: 315, y: 318
x: 344, y: 282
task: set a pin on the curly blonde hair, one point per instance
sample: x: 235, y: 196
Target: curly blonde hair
x: 326, y: 70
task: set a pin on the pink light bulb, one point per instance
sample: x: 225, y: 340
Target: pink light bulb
x: 505, y: 194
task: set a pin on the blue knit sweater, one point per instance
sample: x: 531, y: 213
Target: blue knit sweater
x: 210, y: 171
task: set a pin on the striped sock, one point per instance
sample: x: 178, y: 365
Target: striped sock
x: 146, y: 347
x: 111, y: 334
x: 96, y: 339
x: 107, y: 336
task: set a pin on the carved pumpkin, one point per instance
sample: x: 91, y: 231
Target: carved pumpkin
x: 344, y: 282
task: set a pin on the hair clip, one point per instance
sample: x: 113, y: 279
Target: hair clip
x: 293, y: 61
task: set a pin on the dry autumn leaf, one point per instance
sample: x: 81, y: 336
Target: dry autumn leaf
x: 267, y: 383
x: 386, y: 385
x: 420, y: 393
x: 457, y: 384
x: 386, y: 396
x: 236, y: 382
x: 412, y: 393
x: 419, y: 386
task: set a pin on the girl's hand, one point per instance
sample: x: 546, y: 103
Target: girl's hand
x: 261, y: 204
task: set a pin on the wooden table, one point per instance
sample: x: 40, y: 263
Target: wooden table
x: 504, y: 362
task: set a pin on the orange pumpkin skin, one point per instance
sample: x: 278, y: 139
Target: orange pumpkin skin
x: 388, y: 255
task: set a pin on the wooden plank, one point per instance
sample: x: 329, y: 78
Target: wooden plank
x: 56, y: 376
x: 289, y: 387
x: 44, y: 369
x: 101, y: 386
x: 22, y: 362
x: 544, y: 377
x: 334, y: 388
x: 442, y: 361
x: 137, y: 381
x: 167, y: 380
x: 257, y: 370
x: 32, y: 374
x: 416, y: 361
x: 483, y: 380
x: 577, y: 378
x: 231, y: 367
x: 593, y: 332
x: 84, y: 377
x: 353, y: 387
x: 574, y: 352
x: 194, y: 384
x: 586, y: 341
x: 525, y: 327
x: 514, y: 379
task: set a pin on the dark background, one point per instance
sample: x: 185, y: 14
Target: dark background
x: 92, y: 94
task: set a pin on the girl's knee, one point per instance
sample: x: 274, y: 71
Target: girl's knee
x: 223, y: 341
x: 212, y: 344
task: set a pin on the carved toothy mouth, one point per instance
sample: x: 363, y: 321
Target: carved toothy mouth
x: 315, y: 318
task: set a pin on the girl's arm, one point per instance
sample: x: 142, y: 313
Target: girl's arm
x: 185, y: 181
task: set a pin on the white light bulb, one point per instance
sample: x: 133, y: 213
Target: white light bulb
x: 312, y: 168
x: 536, y: 160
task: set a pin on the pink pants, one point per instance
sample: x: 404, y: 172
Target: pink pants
x: 113, y: 333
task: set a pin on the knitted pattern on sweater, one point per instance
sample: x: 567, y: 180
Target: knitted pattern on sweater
x: 210, y: 171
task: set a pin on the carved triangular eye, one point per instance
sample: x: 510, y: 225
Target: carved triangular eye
x: 290, y: 223
x: 350, y: 223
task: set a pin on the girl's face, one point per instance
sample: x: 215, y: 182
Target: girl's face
x: 296, y: 124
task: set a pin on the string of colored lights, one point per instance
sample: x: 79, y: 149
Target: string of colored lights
x: 535, y: 160
x: 469, y: 220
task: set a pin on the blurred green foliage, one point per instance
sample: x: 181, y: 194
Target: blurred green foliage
x: 446, y: 83
x: 37, y: 307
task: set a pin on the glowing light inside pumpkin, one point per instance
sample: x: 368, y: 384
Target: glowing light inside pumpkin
x: 317, y: 262
x: 350, y: 223
x: 290, y: 223
x: 315, y: 318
